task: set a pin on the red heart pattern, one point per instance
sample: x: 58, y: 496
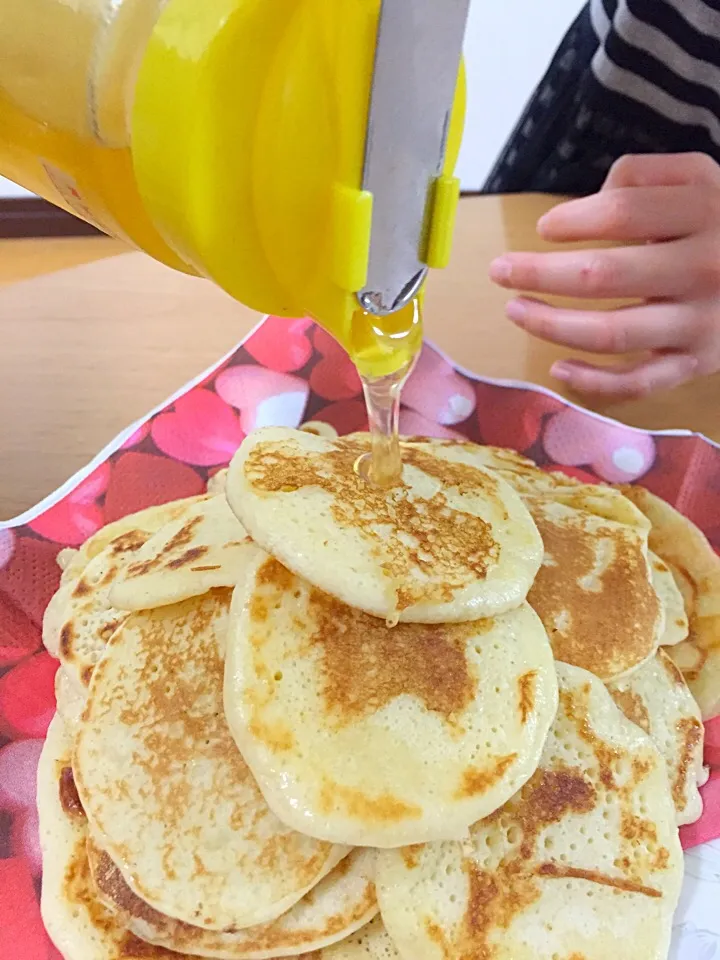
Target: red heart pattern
x: 333, y: 377
x: 18, y: 774
x: 142, y: 480
x: 437, y: 391
x: 287, y: 371
x: 616, y: 453
x: 202, y: 430
x: 27, y: 697
x: 712, y: 743
x: 22, y: 934
x: 281, y: 345
x: 264, y: 397
x: 77, y: 516
x: 507, y: 419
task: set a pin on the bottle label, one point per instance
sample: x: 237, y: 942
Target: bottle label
x: 71, y: 194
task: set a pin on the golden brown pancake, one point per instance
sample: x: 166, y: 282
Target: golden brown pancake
x: 166, y: 791
x: 523, y: 474
x: 372, y: 735
x: 90, y: 619
x: 658, y: 700
x: 200, y: 551
x: 696, y: 568
x: 584, y: 862
x: 594, y: 591
x: 677, y: 625
x: 79, y: 925
x: 451, y: 543
x: 342, y: 903
x: 128, y: 530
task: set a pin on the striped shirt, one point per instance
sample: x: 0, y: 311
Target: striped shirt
x: 630, y: 76
x: 665, y: 56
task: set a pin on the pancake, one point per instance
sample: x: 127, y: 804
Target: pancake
x: 372, y: 735
x: 584, y: 862
x: 65, y: 557
x: 338, y: 906
x: 168, y: 795
x: 201, y: 550
x: 76, y: 921
x: 677, y: 625
x: 696, y: 568
x: 370, y: 943
x: 452, y: 543
x: 70, y: 700
x: 54, y: 617
x: 523, y: 474
x: 146, y: 522
x: 216, y: 483
x: 658, y: 700
x: 602, y: 501
x: 610, y: 503
x: 320, y: 429
x: 594, y: 592
x: 77, y: 924
x: 90, y: 618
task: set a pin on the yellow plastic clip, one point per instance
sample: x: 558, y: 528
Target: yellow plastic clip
x: 442, y: 223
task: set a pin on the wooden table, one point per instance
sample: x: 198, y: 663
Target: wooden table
x: 86, y: 351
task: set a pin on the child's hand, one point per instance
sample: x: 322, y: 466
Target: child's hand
x: 672, y: 203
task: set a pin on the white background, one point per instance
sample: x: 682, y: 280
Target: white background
x: 509, y: 43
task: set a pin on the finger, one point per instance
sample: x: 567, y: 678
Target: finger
x: 663, y: 170
x: 656, y: 271
x: 661, y: 372
x: 654, y: 326
x: 631, y: 215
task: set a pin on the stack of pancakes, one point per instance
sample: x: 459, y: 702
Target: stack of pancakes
x: 300, y: 716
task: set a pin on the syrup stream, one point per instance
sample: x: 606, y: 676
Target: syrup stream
x: 383, y: 466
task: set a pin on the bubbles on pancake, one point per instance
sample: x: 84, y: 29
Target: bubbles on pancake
x: 583, y: 838
x: 569, y: 845
x: 658, y: 700
x: 165, y: 787
x: 423, y: 726
x: 419, y: 535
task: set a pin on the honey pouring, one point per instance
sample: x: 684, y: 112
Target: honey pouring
x: 299, y: 153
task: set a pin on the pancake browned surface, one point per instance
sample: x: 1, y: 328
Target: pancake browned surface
x: 168, y: 795
x: 91, y: 620
x: 594, y: 592
x: 696, y: 568
x: 603, y: 501
x: 452, y: 542
x: 78, y: 923
x: 584, y: 862
x: 658, y: 700
x: 372, y: 735
x: 200, y: 551
x: 340, y: 904
x: 133, y: 529
x: 523, y: 474
x: 148, y: 520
